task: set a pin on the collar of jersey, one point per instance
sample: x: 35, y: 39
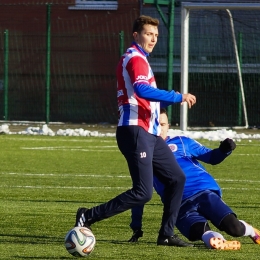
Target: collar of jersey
x: 141, y: 49
x: 167, y: 138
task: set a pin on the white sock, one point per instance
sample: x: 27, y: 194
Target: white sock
x: 208, y: 235
x: 249, y: 230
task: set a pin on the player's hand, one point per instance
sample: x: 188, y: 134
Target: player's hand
x: 189, y: 98
x: 137, y: 233
x: 227, y: 145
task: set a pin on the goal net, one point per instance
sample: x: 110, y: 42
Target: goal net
x: 220, y: 64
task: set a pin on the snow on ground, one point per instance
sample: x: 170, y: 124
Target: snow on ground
x: 214, y: 135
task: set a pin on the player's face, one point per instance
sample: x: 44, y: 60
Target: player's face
x: 147, y: 38
x: 164, y: 125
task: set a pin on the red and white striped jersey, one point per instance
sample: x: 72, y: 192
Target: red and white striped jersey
x: 133, y: 69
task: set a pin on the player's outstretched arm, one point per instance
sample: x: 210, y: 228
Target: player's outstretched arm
x: 189, y: 98
x: 227, y: 146
x: 219, y: 154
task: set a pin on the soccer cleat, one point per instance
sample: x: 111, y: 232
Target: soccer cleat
x: 137, y: 233
x: 172, y: 241
x: 221, y: 244
x: 256, y: 238
x: 81, y: 219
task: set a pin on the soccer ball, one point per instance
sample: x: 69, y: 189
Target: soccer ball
x: 80, y: 241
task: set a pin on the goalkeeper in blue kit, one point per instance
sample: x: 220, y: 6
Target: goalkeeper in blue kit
x: 201, y: 201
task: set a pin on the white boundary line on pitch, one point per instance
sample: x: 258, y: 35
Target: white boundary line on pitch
x: 104, y: 149
x: 247, y: 154
x: 230, y: 180
x: 103, y: 176
x: 60, y: 187
x: 91, y: 188
x: 66, y: 175
x: 232, y: 188
x: 80, y: 148
x: 62, y: 140
x: 61, y: 148
x: 70, y: 147
x: 99, y: 138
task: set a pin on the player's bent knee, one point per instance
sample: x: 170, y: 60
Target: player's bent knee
x: 143, y: 198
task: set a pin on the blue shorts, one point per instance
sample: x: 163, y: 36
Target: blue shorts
x: 201, y: 207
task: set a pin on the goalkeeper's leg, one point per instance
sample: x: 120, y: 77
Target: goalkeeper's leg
x: 237, y: 228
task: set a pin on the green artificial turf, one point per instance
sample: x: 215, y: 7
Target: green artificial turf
x: 45, y: 179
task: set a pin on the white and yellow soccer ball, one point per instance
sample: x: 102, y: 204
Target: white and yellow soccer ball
x: 80, y: 241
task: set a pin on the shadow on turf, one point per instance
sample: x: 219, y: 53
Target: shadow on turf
x: 41, y: 257
x: 117, y: 242
x: 83, y: 202
x: 19, y: 239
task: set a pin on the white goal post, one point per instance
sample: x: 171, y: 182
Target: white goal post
x: 185, y: 11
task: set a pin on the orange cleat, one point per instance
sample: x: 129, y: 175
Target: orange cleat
x: 221, y: 244
x: 256, y: 238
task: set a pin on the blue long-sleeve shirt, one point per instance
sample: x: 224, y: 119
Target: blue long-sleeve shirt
x: 188, y: 153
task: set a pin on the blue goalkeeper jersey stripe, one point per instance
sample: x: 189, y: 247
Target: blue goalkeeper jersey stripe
x: 187, y: 153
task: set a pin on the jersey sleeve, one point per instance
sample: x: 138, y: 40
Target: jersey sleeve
x: 205, y: 154
x: 138, y: 69
x: 155, y: 94
x: 197, y: 150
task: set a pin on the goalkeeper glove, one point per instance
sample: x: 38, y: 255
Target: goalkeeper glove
x: 137, y: 233
x: 227, y: 145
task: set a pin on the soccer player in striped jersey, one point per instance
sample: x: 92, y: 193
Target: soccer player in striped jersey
x: 201, y: 199
x: 138, y: 137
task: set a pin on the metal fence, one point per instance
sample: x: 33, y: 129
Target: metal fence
x: 59, y: 64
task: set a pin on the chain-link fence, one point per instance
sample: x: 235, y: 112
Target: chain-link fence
x: 58, y: 64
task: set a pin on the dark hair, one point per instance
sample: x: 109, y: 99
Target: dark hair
x: 142, y: 20
x: 163, y: 111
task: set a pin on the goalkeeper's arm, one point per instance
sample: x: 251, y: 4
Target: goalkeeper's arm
x: 225, y: 149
